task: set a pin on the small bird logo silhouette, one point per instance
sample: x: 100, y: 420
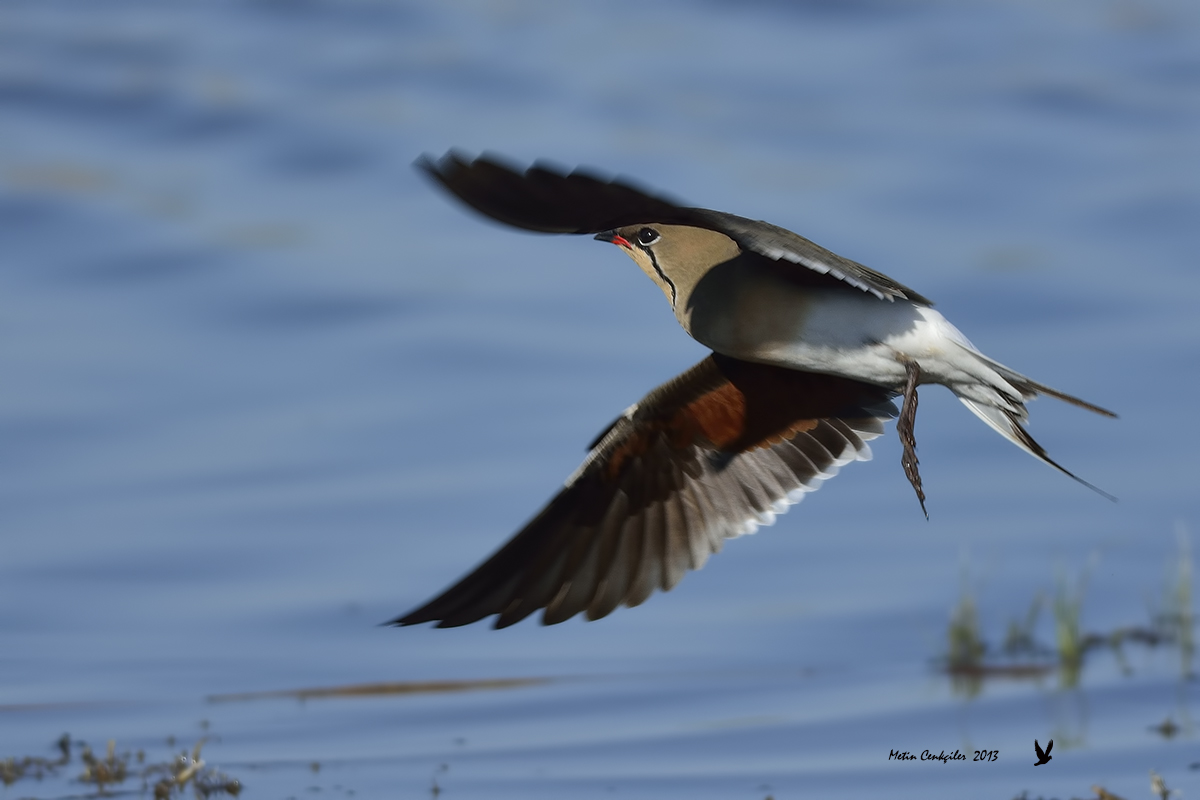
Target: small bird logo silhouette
x: 1043, y: 756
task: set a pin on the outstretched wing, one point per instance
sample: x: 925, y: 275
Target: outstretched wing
x: 547, y: 199
x: 710, y: 455
x: 544, y: 198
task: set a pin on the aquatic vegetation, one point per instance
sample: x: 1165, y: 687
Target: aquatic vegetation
x: 166, y: 779
x: 1099, y: 791
x: 112, y: 769
x: 965, y: 640
x: 1023, y: 656
x: 187, y: 769
x: 1174, y: 620
x: 36, y: 767
x: 1019, y: 640
x: 1068, y: 635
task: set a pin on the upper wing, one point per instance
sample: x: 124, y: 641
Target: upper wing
x: 543, y: 198
x: 781, y: 244
x: 710, y: 455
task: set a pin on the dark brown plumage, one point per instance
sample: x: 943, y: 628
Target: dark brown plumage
x: 705, y: 457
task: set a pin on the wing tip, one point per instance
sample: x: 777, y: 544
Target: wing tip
x: 454, y: 618
x: 437, y: 166
x: 404, y: 621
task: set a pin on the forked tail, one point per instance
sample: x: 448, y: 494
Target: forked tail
x: 1008, y: 423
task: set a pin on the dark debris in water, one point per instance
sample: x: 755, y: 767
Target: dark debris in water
x: 36, y: 767
x: 167, y: 779
x: 381, y: 689
x: 1098, y: 793
x: 187, y: 769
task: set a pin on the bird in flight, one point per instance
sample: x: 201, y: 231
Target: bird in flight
x: 1043, y: 755
x: 809, y: 351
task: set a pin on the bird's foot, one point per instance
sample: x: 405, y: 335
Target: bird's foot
x: 904, y: 427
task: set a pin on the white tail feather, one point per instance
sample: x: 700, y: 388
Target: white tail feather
x: 999, y: 421
x: 1006, y: 424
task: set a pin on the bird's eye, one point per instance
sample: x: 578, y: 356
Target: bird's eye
x: 647, y: 236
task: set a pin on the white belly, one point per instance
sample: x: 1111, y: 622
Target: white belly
x: 833, y: 331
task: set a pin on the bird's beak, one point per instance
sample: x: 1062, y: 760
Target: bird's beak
x: 614, y: 238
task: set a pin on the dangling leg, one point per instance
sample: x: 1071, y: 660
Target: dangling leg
x: 904, y: 427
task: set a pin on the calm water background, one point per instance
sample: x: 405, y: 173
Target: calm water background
x: 264, y: 388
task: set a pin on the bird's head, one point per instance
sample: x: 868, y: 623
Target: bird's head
x: 675, y: 257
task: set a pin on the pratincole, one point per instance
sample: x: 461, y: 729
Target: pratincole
x: 809, y: 349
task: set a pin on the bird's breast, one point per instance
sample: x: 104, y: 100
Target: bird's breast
x: 759, y: 315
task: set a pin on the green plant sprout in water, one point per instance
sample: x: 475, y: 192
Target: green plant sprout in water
x: 966, y: 644
x: 1175, y: 620
x: 965, y: 660
x: 1019, y: 641
x: 1023, y: 657
x: 1068, y: 635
